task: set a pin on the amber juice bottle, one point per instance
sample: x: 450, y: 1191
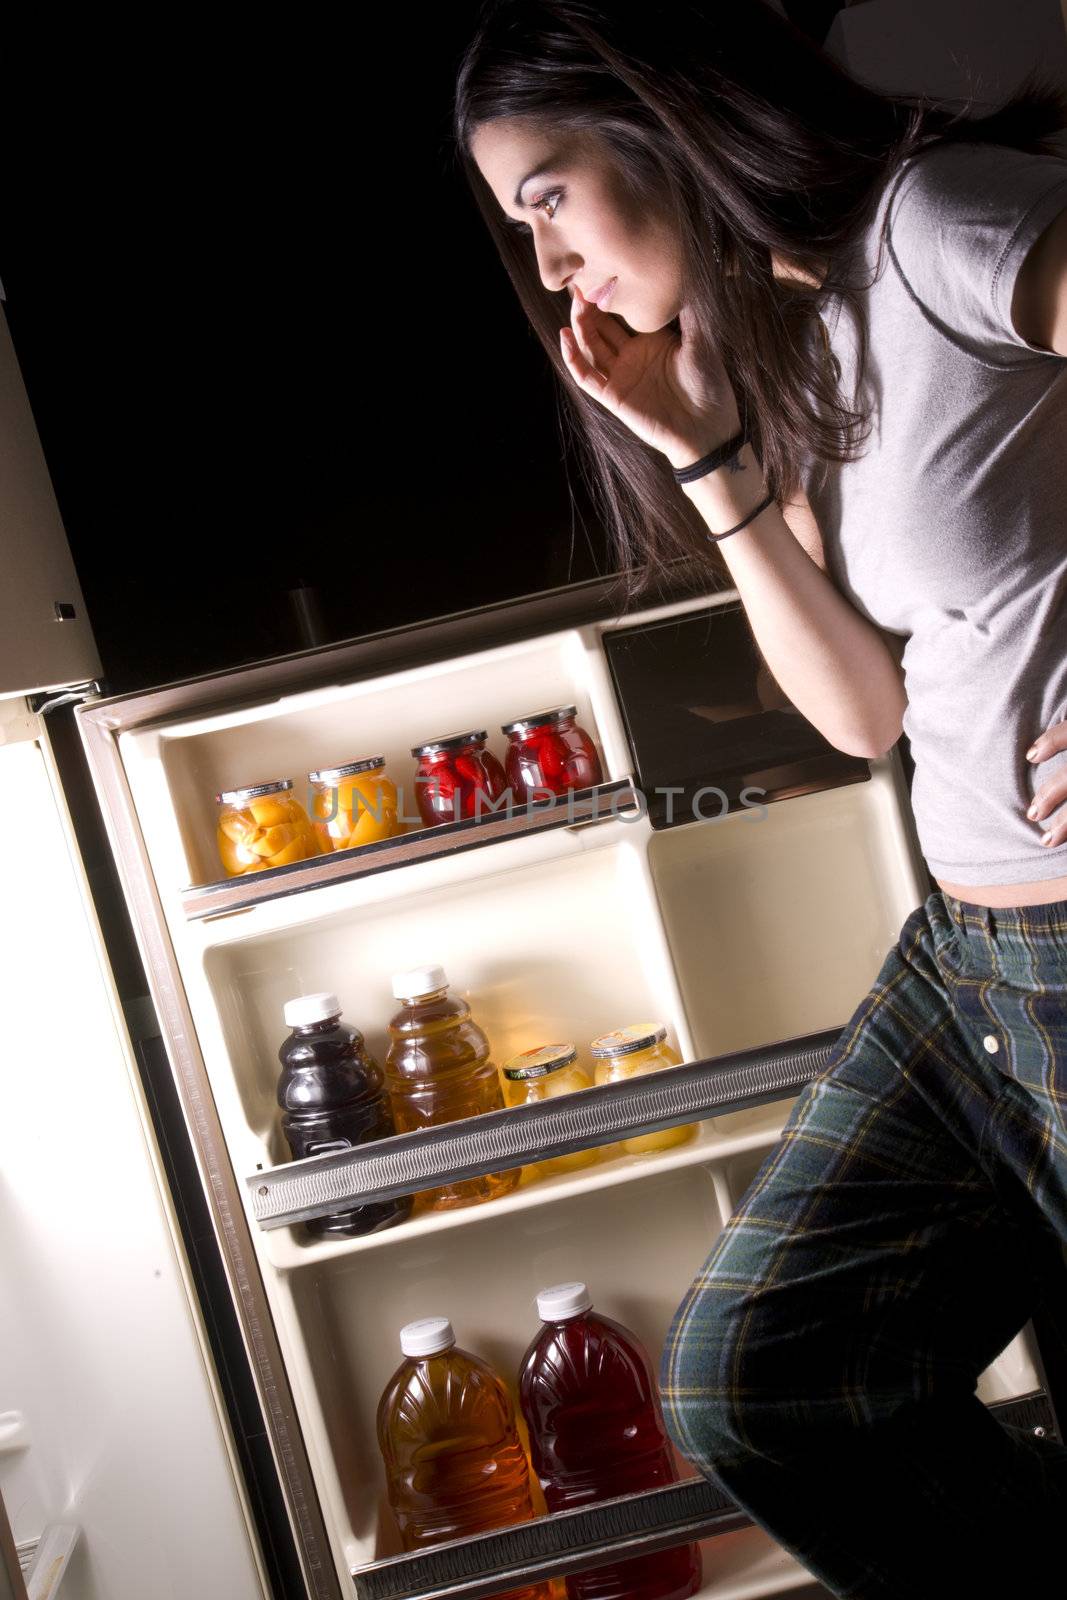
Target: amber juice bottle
x: 438, y: 1069
x: 447, y: 1432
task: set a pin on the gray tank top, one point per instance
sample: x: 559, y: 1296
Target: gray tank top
x: 951, y: 528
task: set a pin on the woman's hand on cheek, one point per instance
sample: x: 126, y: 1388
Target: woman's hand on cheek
x: 1052, y: 795
x: 650, y: 381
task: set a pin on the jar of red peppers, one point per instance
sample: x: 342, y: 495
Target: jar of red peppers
x: 457, y: 777
x: 548, y: 751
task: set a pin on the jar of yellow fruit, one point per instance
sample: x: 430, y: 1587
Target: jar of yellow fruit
x: 542, y: 1074
x: 354, y: 804
x: 629, y: 1053
x: 263, y: 826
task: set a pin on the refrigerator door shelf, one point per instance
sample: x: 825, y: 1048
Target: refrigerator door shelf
x: 44, y: 1581
x: 177, y: 762
x: 500, y: 1140
x: 579, y: 1540
x: 580, y: 807
x: 486, y: 1564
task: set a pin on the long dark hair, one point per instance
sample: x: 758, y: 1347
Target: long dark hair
x: 732, y: 123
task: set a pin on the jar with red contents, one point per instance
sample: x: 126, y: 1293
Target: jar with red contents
x: 548, y: 751
x: 457, y: 777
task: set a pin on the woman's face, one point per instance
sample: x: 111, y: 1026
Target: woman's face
x: 586, y: 230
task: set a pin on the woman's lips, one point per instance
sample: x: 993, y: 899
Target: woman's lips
x: 601, y: 297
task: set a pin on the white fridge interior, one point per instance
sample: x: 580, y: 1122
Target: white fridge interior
x: 732, y: 931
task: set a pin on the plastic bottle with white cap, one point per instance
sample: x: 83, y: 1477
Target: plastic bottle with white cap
x: 454, y: 1461
x: 332, y: 1095
x: 438, y: 1069
x: 591, y: 1401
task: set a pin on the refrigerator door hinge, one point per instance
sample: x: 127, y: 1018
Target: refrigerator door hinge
x: 42, y: 704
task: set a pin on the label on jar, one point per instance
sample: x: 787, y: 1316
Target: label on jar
x: 539, y: 1062
x: 623, y: 1041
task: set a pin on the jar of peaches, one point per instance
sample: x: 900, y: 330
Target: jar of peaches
x: 542, y: 1074
x: 632, y: 1052
x: 263, y: 826
x: 354, y: 804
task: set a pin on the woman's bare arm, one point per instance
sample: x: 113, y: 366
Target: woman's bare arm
x: 836, y: 667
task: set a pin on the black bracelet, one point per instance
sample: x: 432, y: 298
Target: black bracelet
x: 750, y: 518
x: 716, y: 458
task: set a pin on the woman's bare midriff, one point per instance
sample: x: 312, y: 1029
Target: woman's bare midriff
x: 1001, y: 895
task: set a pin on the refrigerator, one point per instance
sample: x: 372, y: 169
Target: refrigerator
x: 733, y: 878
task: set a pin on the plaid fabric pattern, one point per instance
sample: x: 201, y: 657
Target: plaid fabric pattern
x: 823, y: 1363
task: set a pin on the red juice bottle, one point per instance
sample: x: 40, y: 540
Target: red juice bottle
x: 591, y: 1403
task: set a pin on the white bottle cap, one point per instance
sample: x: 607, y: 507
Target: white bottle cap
x: 562, y: 1301
x: 427, y: 1337
x: 309, y: 1008
x: 418, y: 980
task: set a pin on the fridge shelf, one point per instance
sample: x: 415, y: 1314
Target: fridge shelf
x: 580, y: 807
x: 487, y: 1564
x: 499, y: 1140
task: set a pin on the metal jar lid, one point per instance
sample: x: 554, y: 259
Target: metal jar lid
x: 237, y: 797
x: 348, y: 770
x: 540, y: 1061
x: 450, y: 741
x: 624, y: 1041
x: 538, y: 719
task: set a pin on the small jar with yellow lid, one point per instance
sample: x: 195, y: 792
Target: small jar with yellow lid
x: 263, y: 826
x: 629, y: 1053
x: 542, y: 1074
x: 354, y: 804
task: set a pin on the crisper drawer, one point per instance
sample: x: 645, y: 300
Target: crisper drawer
x: 750, y: 932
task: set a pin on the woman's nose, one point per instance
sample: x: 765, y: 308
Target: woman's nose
x: 555, y: 264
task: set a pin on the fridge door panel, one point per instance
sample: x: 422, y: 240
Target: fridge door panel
x: 759, y: 925
x: 121, y: 1425
x: 45, y: 638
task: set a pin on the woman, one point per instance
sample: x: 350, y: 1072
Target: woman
x: 847, y: 315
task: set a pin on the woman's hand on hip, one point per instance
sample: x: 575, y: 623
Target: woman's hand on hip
x: 1052, y: 794
x: 651, y: 382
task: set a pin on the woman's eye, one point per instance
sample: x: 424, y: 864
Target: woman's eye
x: 553, y: 198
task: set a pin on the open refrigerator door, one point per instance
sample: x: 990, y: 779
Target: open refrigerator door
x: 732, y: 878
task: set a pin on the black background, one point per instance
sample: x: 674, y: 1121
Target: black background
x: 268, y: 344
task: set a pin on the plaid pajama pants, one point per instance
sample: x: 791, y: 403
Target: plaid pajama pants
x: 822, y: 1366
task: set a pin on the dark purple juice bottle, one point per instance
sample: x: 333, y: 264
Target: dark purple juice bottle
x: 332, y: 1097
x: 589, y: 1396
